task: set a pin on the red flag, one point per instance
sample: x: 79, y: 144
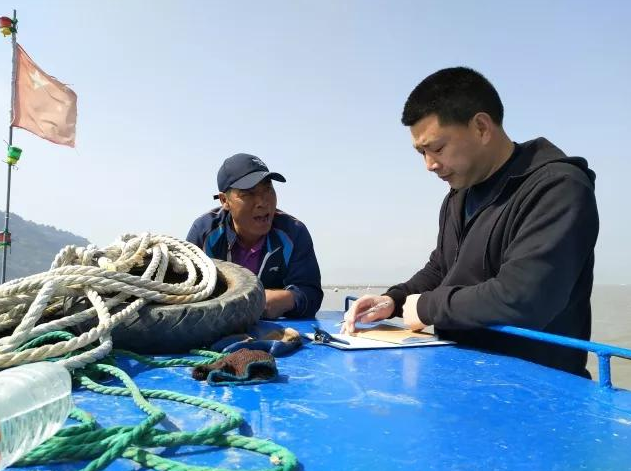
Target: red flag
x: 42, y: 104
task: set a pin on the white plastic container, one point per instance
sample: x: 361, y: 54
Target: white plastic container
x: 35, y: 401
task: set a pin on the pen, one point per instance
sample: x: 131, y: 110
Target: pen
x: 376, y: 307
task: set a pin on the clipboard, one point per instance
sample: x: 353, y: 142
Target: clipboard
x: 382, y: 336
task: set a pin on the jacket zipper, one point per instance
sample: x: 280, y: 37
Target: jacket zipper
x: 267, y: 256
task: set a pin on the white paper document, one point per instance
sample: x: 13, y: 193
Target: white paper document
x: 381, y: 336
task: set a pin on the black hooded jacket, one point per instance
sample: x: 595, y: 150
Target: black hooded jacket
x: 525, y: 258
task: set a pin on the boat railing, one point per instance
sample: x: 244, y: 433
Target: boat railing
x: 603, y: 351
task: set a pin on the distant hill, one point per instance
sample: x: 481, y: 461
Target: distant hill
x: 34, y: 246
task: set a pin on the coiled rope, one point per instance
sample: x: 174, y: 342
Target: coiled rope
x: 103, y: 277
x: 93, y: 273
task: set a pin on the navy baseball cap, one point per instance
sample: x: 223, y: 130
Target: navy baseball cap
x: 243, y: 171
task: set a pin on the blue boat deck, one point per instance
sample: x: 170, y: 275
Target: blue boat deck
x: 431, y: 408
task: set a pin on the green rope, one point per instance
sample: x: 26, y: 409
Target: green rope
x: 173, y: 361
x: 87, y: 441
x: 44, y: 339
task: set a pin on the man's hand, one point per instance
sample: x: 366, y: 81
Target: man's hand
x: 410, y: 314
x: 357, y: 312
x: 277, y: 303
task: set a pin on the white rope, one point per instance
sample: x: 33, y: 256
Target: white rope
x: 91, y: 273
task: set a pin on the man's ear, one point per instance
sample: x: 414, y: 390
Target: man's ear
x: 223, y: 199
x: 483, y: 126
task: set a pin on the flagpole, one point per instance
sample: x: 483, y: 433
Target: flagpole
x: 6, y: 234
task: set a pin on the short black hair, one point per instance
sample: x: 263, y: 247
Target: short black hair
x: 455, y: 95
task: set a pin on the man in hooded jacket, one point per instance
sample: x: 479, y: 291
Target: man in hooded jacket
x: 516, y: 236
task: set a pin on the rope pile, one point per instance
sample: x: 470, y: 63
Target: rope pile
x: 96, y: 273
x: 105, y: 278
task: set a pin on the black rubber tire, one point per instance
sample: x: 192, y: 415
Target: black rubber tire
x: 237, y: 303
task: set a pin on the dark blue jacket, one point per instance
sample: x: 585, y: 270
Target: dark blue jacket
x: 525, y: 258
x: 289, y: 261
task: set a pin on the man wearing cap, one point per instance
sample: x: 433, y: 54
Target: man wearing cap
x: 249, y: 230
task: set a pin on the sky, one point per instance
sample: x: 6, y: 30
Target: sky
x: 168, y: 89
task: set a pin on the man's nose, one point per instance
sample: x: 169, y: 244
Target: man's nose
x: 431, y: 164
x: 261, y: 200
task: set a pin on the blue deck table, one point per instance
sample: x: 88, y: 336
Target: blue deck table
x: 427, y: 408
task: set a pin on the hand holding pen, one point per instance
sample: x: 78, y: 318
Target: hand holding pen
x: 366, y: 309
